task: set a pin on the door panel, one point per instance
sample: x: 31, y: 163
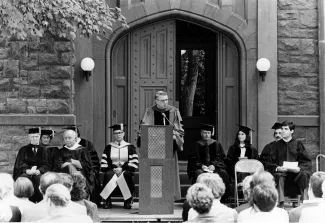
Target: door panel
x: 119, y: 90
x: 152, y: 68
x: 228, y: 105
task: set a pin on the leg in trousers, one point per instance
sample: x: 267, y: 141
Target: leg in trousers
x: 128, y: 176
x: 280, y: 180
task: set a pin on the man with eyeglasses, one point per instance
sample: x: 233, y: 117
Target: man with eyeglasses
x: 164, y: 114
x: 119, y: 162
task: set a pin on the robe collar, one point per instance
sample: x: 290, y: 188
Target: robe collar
x: 169, y: 107
x: 286, y: 141
x: 206, y: 143
x: 74, y: 147
x: 122, y: 144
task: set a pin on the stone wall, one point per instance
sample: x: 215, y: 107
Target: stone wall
x: 298, y: 90
x: 36, y: 79
x: 298, y: 57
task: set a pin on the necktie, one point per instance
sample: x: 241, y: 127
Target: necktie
x: 208, y: 155
x: 35, y: 150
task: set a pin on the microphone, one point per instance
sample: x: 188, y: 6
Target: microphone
x: 179, y: 131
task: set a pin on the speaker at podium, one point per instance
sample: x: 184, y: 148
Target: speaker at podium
x: 156, y: 170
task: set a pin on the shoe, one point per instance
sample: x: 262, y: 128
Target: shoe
x: 281, y: 204
x: 107, y: 204
x: 128, y: 203
x: 294, y: 204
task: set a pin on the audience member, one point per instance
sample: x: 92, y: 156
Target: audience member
x: 7, y: 197
x: 314, y: 214
x: 247, y: 193
x: 219, y: 211
x: 200, y: 198
x: 58, y: 199
x: 78, y: 195
x: 264, y: 200
x: 5, y: 212
x: 24, y: 189
x: 40, y: 210
x: 315, y: 195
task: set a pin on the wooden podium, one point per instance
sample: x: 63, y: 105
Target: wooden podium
x: 156, y: 170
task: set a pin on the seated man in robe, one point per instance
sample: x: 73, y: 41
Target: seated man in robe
x: 73, y: 157
x: 163, y: 114
x: 288, y: 149
x: 119, y: 158
x: 32, y: 162
x: 210, y: 155
x: 268, y: 149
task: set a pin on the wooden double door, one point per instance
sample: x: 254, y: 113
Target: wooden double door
x: 197, y: 67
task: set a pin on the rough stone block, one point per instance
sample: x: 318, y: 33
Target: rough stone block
x: 304, y: 33
x: 20, y: 140
x: 4, y: 158
x: 52, y: 91
x: 13, y: 94
x: 11, y: 68
x: 284, y: 32
x: 4, y: 53
x: 66, y: 91
x: 28, y: 92
x: 41, y: 110
x: 297, y: 4
x: 18, y: 49
x: 23, y: 73
x: 56, y: 81
x: 58, y: 106
x: 308, y: 18
x: 31, y: 110
x: 38, y: 77
x: 20, y: 80
x: 62, y: 47
x: 300, y: 132
x: 36, y: 102
x: 288, y: 14
x: 5, y: 84
x: 312, y: 149
x: 60, y: 72
x: 16, y: 105
x: 288, y: 44
x: 312, y: 135
x: 30, y: 62
x: 65, y: 59
x: 6, y: 146
x: 289, y: 23
x: 309, y: 47
x: 48, y: 59
x: 296, y: 69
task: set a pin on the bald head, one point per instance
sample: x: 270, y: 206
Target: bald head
x: 70, y: 137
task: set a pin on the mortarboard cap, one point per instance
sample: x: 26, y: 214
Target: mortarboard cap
x: 47, y: 132
x: 277, y: 125
x: 246, y: 130
x: 208, y: 127
x: 118, y: 127
x: 34, y: 130
x: 72, y: 127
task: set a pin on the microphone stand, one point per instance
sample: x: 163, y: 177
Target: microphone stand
x: 176, y: 130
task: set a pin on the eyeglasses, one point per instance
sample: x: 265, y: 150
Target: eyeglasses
x: 162, y: 100
x: 117, y: 133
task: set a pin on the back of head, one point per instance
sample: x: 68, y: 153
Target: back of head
x: 23, y: 187
x: 214, y: 182
x: 6, y: 185
x: 247, y: 187
x: 58, y: 194
x: 47, y: 179
x: 78, y: 191
x: 200, y: 198
x: 262, y: 177
x: 264, y: 197
x: 66, y: 180
x: 316, y: 181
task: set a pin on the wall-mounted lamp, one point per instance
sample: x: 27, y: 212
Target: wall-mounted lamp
x: 263, y: 65
x: 87, y: 65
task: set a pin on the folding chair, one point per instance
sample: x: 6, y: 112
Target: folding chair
x: 318, y: 157
x: 246, y: 166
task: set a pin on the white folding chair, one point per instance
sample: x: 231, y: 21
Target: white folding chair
x: 246, y: 166
x: 318, y: 157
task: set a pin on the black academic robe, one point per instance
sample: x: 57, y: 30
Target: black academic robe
x: 210, y: 153
x: 234, y: 154
x: 26, y: 159
x: 292, y: 151
x: 50, y: 156
x: 94, y: 195
x: 153, y: 116
x: 80, y: 153
x: 265, y: 156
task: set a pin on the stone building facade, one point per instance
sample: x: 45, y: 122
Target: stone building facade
x: 41, y: 82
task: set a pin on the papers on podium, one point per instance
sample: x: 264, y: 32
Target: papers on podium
x: 290, y: 165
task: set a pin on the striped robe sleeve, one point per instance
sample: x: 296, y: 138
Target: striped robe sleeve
x: 106, y: 162
x: 133, y: 161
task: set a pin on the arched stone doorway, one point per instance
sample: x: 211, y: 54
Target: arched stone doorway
x: 156, y: 57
